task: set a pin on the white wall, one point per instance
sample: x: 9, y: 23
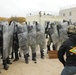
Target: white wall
x: 43, y: 18
x: 67, y: 16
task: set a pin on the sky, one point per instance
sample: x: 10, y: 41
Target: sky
x: 21, y: 8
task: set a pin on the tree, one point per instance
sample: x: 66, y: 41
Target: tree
x: 17, y: 19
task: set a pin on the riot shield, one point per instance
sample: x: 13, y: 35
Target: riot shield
x: 11, y: 30
x: 32, y: 34
x: 55, y: 36
x: 63, y: 32
x: 1, y: 39
x: 40, y: 36
x: 5, y: 40
x: 23, y: 38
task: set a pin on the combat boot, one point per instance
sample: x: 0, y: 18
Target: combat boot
x: 16, y: 57
x: 54, y: 47
x: 26, y: 58
x: 5, y: 64
x: 48, y: 48
x: 8, y: 61
x: 34, y: 56
x: 42, y: 54
x: 28, y: 55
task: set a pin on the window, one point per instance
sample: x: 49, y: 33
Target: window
x: 70, y: 13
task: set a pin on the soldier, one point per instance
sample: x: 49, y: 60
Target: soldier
x: 40, y: 38
x: 32, y: 40
x: 5, y: 44
x: 50, y: 41
x: 23, y: 40
x: 11, y: 30
x: 1, y: 48
x: 15, y: 42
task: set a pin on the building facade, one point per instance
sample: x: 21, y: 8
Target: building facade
x: 43, y: 18
x: 69, y: 14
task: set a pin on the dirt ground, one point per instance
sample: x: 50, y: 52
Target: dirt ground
x: 44, y: 66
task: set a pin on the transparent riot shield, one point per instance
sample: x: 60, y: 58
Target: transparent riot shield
x: 23, y: 38
x: 55, y: 37
x: 63, y: 32
x: 1, y: 39
x: 40, y: 36
x: 5, y: 40
x: 32, y: 34
x: 11, y: 30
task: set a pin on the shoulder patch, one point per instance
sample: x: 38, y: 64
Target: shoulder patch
x: 73, y: 50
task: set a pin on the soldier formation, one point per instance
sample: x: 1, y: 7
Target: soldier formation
x: 15, y: 36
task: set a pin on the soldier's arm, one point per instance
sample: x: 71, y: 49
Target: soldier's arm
x: 61, y: 53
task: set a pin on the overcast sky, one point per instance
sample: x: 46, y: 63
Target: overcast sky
x: 10, y: 8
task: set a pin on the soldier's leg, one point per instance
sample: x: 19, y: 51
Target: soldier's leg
x: 26, y: 54
x: 46, y: 35
x: 26, y: 58
x: 48, y: 45
x: 5, y: 64
x: 16, y: 54
x: 33, y: 48
x: 12, y: 55
x: 54, y: 47
x: 42, y: 51
x: 8, y: 60
x: 1, y: 52
x: 16, y: 57
x: 34, y: 56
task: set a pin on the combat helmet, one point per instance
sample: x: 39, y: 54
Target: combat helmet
x: 71, y: 29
